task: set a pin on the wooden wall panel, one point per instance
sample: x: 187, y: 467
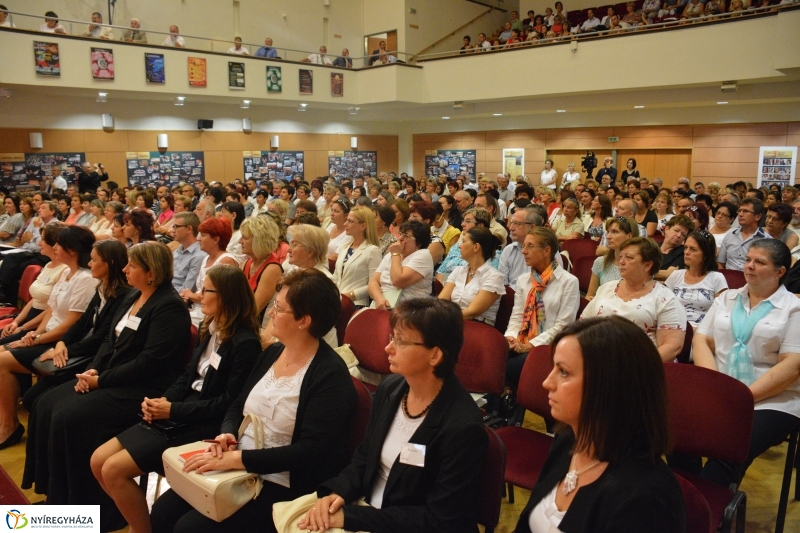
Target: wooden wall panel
x: 215, y: 166
x: 725, y: 155
x: 673, y: 164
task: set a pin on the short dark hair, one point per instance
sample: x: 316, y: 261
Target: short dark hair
x: 425, y: 209
x: 440, y: 323
x: 237, y: 209
x: 289, y: 189
x: 784, y: 211
x: 757, y: 205
x: 729, y: 206
x: 115, y: 255
x: 262, y: 192
x: 50, y: 232
x: 624, y: 411
x: 486, y: 240
x: 759, y: 193
x: 648, y: 249
x: 143, y: 222
x: 779, y: 254
x: 421, y: 232
x: 385, y: 213
x: 705, y: 198
x: 708, y: 245
x: 682, y: 220
x: 309, y: 218
x: 311, y: 293
x: 79, y: 240
x: 308, y: 205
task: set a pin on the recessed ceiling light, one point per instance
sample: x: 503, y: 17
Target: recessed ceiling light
x: 498, y: 114
x: 353, y: 110
x: 638, y: 107
x: 245, y: 104
x: 561, y: 110
x: 722, y: 103
x: 102, y: 94
x: 445, y: 118
x: 302, y: 107
x: 102, y: 97
x: 179, y: 100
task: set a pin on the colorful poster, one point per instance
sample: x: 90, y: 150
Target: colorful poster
x: 514, y: 162
x: 351, y: 164
x: 102, y: 63
x: 197, y: 72
x: 236, y: 76
x: 453, y: 163
x: 777, y: 165
x: 48, y: 62
x: 154, y: 68
x: 306, y: 82
x: 274, y: 165
x: 12, y: 171
x: 156, y: 169
x: 337, y: 84
x: 274, y: 84
x: 39, y: 167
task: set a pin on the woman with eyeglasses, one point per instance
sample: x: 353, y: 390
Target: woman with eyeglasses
x: 301, y: 391
x: 338, y: 234
x: 226, y: 352
x: 723, y: 220
x: 779, y: 215
x: 421, y: 403
x: 406, y: 271
x: 672, y: 248
x: 606, y: 267
x: 699, y: 283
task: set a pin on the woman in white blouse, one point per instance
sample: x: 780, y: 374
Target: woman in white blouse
x: 477, y: 286
x: 766, y: 317
x: 336, y: 229
x: 663, y: 210
x: 570, y: 176
x: 358, y: 259
x: 110, y: 211
x: 698, y: 285
x: 549, y: 175
x: 723, y: 222
x: 100, y: 224
x: 642, y: 300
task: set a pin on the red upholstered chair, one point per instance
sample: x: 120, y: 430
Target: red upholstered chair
x: 581, y: 306
x: 698, y: 513
x: 711, y: 415
x: 527, y: 449
x: 577, y: 248
x: 490, y: 490
x: 187, y: 356
x: 735, y: 278
x: 482, y: 360
x: 658, y: 237
x: 368, y: 334
x: 331, y: 265
x: 437, y: 287
x: 504, y: 311
x: 360, y: 419
x: 685, y: 356
x: 348, y: 308
x: 582, y: 269
x: 28, y: 277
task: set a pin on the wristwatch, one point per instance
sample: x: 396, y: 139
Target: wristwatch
x: 36, y: 338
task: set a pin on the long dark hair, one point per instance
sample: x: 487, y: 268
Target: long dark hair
x: 115, y: 255
x: 236, y: 301
x: 79, y: 240
x: 708, y: 245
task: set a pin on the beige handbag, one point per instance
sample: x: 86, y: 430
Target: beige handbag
x: 286, y: 515
x: 216, y: 496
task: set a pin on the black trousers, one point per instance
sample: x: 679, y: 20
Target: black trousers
x: 514, y: 366
x: 12, y: 268
x: 770, y: 428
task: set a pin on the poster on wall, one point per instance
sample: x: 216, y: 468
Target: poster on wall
x: 197, y: 72
x: 154, y: 68
x: 452, y: 163
x: 274, y: 165
x: 48, y: 61
x: 236, y: 76
x: 350, y: 164
x: 778, y: 165
x: 514, y: 162
x: 153, y: 169
x: 306, y: 82
x: 102, y: 63
x: 274, y: 84
x: 39, y: 167
x: 12, y: 171
x: 337, y: 84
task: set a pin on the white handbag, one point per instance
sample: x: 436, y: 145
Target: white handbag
x: 217, y: 496
x: 286, y: 515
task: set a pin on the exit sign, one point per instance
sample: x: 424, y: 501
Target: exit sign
x: 613, y: 139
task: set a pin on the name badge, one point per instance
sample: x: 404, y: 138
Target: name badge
x: 215, y: 359
x: 133, y: 322
x: 412, y: 454
x: 267, y: 408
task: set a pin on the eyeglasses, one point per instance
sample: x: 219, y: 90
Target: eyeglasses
x: 277, y: 309
x: 516, y: 223
x: 740, y: 211
x: 532, y: 246
x: 720, y: 213
x: 400, y: 343
x: 179, y: 225
x: 405, y: 237
x: 203, y: 290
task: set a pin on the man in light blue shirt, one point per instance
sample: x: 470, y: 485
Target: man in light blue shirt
x: 512, y: 262
x: 188, y: 257
x: 267, y: 50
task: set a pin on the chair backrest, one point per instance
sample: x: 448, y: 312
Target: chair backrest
x: 582, y: 269
x: 686, y: 353
x: 360, y: 419
x: 187, y: 355
x: 504, y: 311
x: 578, y: 248
x: 530, y: 393
x: 490, y: 488
x: 482, y: 360
x: 368, y: 334
x: 581, y: 306
x: 698, y: 512
x: 28, y: 277
x: 710, y: 413
x: 331, y: 265
x: 348, y: 308
x: 735, y: 278
x: 437, y: 287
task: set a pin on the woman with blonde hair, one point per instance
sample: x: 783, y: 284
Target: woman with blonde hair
x: 279, y: 206
x: 262, y: 267
x: 358, y: 257
x: 547, y: 197
x: 663, y: 210
x: 308, y: 249
x: 606, y: 267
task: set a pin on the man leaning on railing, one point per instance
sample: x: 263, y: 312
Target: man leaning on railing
x: 96, y: 31
x: 134, y: 35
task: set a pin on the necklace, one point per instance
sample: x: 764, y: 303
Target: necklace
x: 404, y: 403
x: 571, y: 480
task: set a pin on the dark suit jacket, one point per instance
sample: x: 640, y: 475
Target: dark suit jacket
x: 86, y: 335
x: 632, y: 496
x: 437, y: 497
x: 221, y: 385
x: 602, y: 171
x: 319, y: 442
x: 152, y: 356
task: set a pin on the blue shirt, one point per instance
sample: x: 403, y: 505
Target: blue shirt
x: 266, y: 51
x: 187, y: 263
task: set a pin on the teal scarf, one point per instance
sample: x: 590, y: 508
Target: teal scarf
x: 740, y: 362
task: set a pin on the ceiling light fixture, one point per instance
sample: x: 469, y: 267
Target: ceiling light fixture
x: 722, y: 103
x: 101, y: 97
x: 353, y: 110
x: 497, y: 114
x: 5, y: 93
x: 445, y: 118
x: 638, y: 107
x: 302, y: 107
x: 561, y: 110
x: 245, y: 104
x: 179, y: 100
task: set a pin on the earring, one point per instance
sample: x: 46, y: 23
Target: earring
x: 150, y: 282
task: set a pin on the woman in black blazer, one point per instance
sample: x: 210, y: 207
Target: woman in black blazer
x: 604, y: 472
x: 141, y: 356
x: 221, y: 364
x: 418, y: 474
x: 304, y: 396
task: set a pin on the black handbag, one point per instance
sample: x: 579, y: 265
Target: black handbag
x: 75, y: 365
x: 167, y: 429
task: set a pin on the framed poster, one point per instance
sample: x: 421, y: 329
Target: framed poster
x: 453, y: 163
x: 337, y: 84
x: 197, y: 72
x: 777, y: 164
x: 12, y: 172
x: 344, y: 164
x: 236, y: 76
x: 274, y: 84
x: 306, y: 82
x: 48, y: 61
x: 514, y: 162
x: 40, y: 166
x: 170, y: 168
x: 154, y: 68
x: 102, y: 63
x: 273, y: 165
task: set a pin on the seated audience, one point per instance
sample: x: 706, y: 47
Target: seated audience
x: 336, y: 229
x: 138, y: 226
x: 693, y: 9
x: 675, y: 234
x: 233, y: 212
x: 423, y: 403
x: 321, y: 58
x: 226, y: 351
x: 568, y: 225
x: 187, y: 258
x: 343, y: 60
x: 472, y: 217
x: 174, y: 38
x: 442, y: 228
x: 134, y: 35
x: 267, y: 50
x: 600, y: 213
x: 308, y: 249
x: 606, y: 267
x: 723, y: 222
x: 313, y: 395
x: 423, y: 211
x: 698, y: 213
x: 51, y: 24
x: 263, y: 267
x: 591, y: 24
x: 384, y: 218
x: 733, y: 250
x: 96, y: 30
x: 237, y: 48
x: 359, y: 257
x: 166, y: 208
x: 779, y: 216
x: 663, y: 210
x: 642, y: 300
x: 406, y: 271
x: 644, y: 215
x: 101, y: 225
x: 607, y: 388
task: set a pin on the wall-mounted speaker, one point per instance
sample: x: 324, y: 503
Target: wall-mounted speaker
x: 247, y: 126
x: 36, y: 140
x: 274, y: 142
x: 354, y: 143
x: 108, y: 122
x: 204, y: 124
x: 163, y: 141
